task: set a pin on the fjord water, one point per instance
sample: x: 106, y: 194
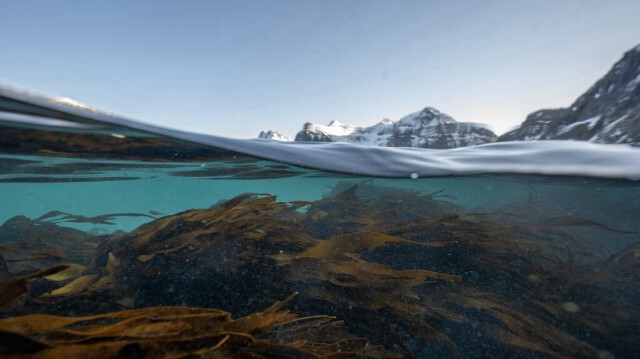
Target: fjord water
x: 560, y: 278
x: 34, y: 185
x: 124, y: 239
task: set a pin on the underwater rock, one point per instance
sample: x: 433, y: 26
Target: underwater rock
x: 409, y: 272
x: 32, y: 245
x: 20, y: 227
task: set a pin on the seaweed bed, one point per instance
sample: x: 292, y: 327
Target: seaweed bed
x: 367, y: 271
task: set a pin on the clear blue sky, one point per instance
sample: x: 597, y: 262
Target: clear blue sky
x: 236, y: 67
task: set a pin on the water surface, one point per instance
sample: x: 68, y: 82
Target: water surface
x: 120, y: 239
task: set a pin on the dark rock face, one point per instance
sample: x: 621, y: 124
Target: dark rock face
x: 433, y: 129
x: 309, y: 133
x: 21, y: 227
x: 273, y: 135
x: 428, y: 128
x: 32, y: 245
x: 609, y: 112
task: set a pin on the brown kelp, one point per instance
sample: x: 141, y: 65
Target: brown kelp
x: 407, y: 274
x: 16, y: 287
x: 181, y: 332
x: 33, y: 245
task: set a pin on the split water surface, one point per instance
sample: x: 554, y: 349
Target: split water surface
x: 125, y: 240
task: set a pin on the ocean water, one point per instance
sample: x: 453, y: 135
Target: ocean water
x: 120, y: 239
x: 35, y: 185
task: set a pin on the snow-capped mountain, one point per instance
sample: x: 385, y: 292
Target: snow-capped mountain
x: 428, y: 128
x: 339, y: 132
x: 274, y: 135
x: 609, y: 112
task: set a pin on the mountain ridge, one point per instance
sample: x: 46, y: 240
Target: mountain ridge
x: 608, y: 112
x: 428, y: 128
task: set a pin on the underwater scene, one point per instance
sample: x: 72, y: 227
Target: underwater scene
x: 120, y: 244
x: 251, y: 258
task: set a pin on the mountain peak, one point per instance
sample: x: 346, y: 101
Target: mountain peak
x: 334, y: 128
x: 428, y: 128
x: 274, y: 135
x: 431, y: 110
x: 427, y: 116
x: 608, y: 112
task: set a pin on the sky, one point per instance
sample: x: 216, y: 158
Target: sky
x: 234, y: 68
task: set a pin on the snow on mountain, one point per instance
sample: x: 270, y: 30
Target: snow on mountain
x: 274, y: 135
x: 609, y: 112
x: 335, y: 128
x: 428, y: 128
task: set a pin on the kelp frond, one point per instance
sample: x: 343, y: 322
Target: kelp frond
x: 178, y: 332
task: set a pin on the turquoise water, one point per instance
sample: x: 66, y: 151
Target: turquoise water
x: 558, y: 254
x: 123, y: 239
x: 35, y: 185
